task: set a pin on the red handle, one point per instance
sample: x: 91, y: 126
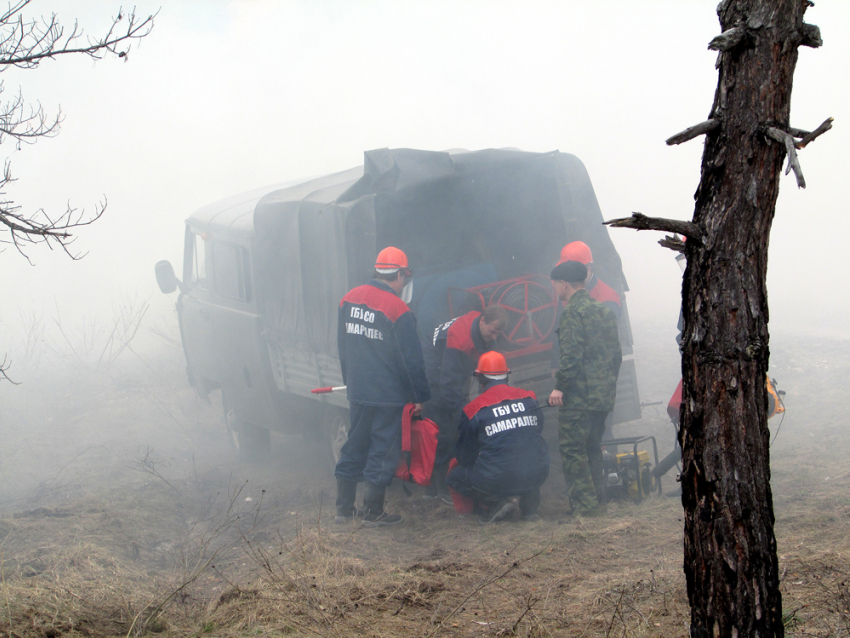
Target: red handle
x: 337, y: 388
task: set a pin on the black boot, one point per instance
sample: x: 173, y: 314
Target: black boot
x: 498, y: 509
x: 346, y: 492
x: 437, y: 488
x: 528, y: 504
x: 373, y: 503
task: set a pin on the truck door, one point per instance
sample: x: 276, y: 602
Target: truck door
x: 237, y: 328
x: 195, y: 314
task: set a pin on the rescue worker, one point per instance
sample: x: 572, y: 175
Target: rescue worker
x: 449, y: 361
x: 585, y: 386
x: 596, y: 288
x: 383, y: 369
x: 500, y: 450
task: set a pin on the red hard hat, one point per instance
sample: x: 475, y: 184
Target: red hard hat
x: 576, y: 251
x: 390, y: 259
x: 492, y: 364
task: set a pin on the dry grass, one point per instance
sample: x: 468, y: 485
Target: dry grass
x: 506, y: 580
x: 125, y: 515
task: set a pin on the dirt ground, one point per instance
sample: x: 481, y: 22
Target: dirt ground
x: 124, y: 512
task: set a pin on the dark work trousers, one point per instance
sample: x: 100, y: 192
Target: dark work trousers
x: 373, y: 448
x: 461, y: 480
x: 447, y: 421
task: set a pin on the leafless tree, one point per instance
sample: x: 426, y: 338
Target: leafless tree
x: 730, y: 548
x: 25, y: 43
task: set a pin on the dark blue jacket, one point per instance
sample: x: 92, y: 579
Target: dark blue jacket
x: 451, y: 358
x: 501, y: 438
x: 379, y: 349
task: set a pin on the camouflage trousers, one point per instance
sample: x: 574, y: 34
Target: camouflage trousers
x: 579, y: 436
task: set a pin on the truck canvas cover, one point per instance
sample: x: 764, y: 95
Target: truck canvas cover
x: 465, y: 219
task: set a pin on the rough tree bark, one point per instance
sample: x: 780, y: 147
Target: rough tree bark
x: 730, y: 548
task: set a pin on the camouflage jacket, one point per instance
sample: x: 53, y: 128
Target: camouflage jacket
x: 590, y: 355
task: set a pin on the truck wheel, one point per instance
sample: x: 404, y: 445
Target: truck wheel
x: 337, y: 432
x: 249, y: 442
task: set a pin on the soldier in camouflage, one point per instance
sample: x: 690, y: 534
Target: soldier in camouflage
x: 585, y: 386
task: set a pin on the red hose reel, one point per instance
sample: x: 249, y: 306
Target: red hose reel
x: 531, y: 305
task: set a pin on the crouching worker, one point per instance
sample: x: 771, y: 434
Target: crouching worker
x: 500, y: 450
x: 449, y: 362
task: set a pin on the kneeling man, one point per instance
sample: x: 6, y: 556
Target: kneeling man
x: 500, y: 450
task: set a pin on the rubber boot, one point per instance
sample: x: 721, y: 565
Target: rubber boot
x: 373, y: 503
x: 528, y: 504
x: 437, y: 487
x: 498, y: 509
x: 346, y: 492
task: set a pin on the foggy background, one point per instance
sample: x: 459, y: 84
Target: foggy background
x: 112, y: 469
x: 224, y: 97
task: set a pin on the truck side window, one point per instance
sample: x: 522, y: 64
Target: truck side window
x: 199, y: 262
x: 231, y: 279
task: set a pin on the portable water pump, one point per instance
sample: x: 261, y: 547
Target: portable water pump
x: 628, y: 475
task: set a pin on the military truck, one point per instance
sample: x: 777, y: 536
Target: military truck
x: 263, y: 274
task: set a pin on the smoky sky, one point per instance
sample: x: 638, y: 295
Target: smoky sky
x: 225, y: 97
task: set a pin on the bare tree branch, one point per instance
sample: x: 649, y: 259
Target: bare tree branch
x: 728, y: 40
x: 694, y: 131
x: 798, y: 132
x: 810, y: 137
x: 25, y: 230
x: 25, y: 43
x: 4, y: 368
x: 810, y: 36
x: 673, y: 242
x: 793, y: 162
x: 639, y: 221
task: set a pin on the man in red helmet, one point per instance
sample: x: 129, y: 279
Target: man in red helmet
x: 449, y: 361
x: 598, y: 290
x: 595, y: 287
x: 501, y: 452
x: 383, y: 369
x: 585, y: 386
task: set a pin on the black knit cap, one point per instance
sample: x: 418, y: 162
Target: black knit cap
x: 572, y: 272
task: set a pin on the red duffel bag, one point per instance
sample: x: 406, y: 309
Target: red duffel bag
x: 418, y: 448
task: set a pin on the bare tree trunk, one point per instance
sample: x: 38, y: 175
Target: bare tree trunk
x: 730, y: 547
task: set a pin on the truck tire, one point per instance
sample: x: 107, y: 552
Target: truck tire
x: 249, y: 442
x: 326, y: 431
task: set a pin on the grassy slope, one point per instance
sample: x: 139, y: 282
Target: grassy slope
x: 123, y: 512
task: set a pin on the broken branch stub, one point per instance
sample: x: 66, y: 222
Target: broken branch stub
x: 793, y: 162
x: 639, y: 221
x: 810, y: 137
x: 694, y: 131
x: 728, y: 40
x: 673, y: 242
x: 810, y: 35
